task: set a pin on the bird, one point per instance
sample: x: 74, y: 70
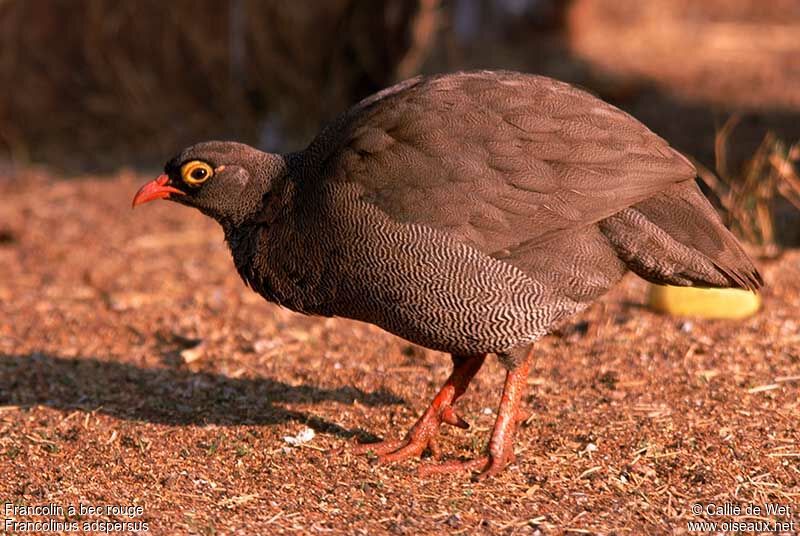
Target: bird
x: 470, y: 213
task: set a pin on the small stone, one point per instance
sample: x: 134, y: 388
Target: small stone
x: 263, y: 345
x: 303, y: 436
x: 190, y: 355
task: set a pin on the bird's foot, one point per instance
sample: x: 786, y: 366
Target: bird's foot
x: 501, y: 445
x: 487, y: 465
x: 501, y: 454
x: 421, y: 437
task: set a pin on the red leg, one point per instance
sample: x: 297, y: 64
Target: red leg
x: 501, y: 445
x: 423, y: 434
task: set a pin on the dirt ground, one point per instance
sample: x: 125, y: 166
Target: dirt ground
x: 137, y: 369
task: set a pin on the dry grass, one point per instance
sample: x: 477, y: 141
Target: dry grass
x: 751, y: 197
x: 101, y: 82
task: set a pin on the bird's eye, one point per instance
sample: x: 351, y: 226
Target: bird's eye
x: 196, y: 172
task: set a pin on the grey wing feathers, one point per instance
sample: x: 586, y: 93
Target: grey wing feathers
x: 496, y: 159
x: 677, y: 238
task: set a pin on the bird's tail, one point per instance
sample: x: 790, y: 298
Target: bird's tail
x: 677, y: 238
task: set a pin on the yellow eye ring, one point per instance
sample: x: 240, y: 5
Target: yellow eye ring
x: 196, y: 172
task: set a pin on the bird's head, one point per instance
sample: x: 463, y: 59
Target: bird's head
x: 224, y: 180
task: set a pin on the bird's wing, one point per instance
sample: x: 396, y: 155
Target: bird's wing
x: 497, y: 159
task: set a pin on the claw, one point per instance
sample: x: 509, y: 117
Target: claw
x: 450, y: 416
x: 523, y: 416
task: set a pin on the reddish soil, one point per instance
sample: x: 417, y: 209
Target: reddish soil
x: 137, y: 369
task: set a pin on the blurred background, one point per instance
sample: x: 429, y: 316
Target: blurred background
x: 136, y: 368
x: 95, y: 86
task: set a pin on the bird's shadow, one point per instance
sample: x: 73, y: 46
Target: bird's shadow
x: 169, y: 395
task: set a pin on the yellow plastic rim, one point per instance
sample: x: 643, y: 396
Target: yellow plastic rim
x: 704, y: 302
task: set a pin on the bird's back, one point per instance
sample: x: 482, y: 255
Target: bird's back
x: 496, y: 159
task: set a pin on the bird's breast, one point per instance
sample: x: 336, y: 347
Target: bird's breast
x: 284, y: 268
